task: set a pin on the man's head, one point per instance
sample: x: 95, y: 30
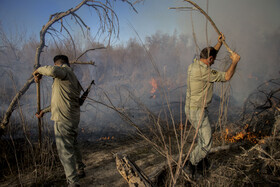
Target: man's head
x: 60, y: 60
x: 208, y: 55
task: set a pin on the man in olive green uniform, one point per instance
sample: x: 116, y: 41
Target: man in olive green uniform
x: 200, y: 84
x: 65, y: 110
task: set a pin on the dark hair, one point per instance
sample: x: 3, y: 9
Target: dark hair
x: 61, y: 59
x: 207, y: 52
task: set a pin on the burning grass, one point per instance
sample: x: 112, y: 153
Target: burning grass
x: 244, y: 135
x: 255, y: 162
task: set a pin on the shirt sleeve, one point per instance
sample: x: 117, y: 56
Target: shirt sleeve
x: 52, y: 71
x: 217, y: 76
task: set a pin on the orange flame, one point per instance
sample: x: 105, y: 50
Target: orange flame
x: 107, y: 138
x: 251, y: 76
x: 154, y: 85
x: 243, y: 135
x: 181, y: 126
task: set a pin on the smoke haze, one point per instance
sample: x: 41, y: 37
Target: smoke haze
x: 124, y: 71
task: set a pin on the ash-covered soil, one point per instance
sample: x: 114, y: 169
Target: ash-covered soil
x: 246, y: 165
x: 249, y: 164
x: 100, y: 161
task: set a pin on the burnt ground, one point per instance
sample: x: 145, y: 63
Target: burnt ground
x: 243, y: 165
x: 101, y: 167
x: 246, y: 165
x: 100, y: 163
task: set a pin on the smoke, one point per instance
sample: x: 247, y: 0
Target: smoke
x: 124, y: 71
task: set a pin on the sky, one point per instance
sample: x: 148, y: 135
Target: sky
x: 247, y: 25
x: 152, y: 16
x: 31, y: 15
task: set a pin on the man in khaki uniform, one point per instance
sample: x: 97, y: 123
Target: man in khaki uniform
x: 199, y: 94
x: 65, y: 110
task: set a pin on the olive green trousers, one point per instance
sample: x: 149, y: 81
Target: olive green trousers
x: 199, y: 120
x: 68, y: 149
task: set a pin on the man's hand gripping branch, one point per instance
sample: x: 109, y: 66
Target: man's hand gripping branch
x: 221, y: 39
x: 37, y: 77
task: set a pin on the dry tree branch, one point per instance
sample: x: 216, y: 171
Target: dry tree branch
x: 253, y: 105
x: 211, y: 21
x: 183, y: 8
x: 8, y: 43
x: 81, y: 20
x: 71, y: 38
x: 53, y: 19
x: 159, y: 149
x: 109, y: 22
x: 55, y: 43
x: 13, y: 103
x: 77, y: 21
x: 88, y: 51
x: 81, y: 62
x: 207, y: 17
x: 131, y: 5
x: 76, y: 61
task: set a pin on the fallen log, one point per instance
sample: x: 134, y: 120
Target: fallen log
x: 225, y: 147
x: 133, y: 175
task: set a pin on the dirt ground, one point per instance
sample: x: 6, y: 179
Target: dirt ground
x: 101, y: 166
x: 241, y: 166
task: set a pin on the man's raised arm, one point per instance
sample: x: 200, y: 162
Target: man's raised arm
x: 235, y: 59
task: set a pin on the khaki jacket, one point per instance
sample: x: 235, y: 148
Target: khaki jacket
x: 65, y: 93
x: 200, y: 84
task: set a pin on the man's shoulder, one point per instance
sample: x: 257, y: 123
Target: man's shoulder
x: 68, y: 70
x: 66, y: 67
x: 197, y: 66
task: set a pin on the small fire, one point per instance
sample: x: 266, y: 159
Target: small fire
x: 106, y: 138
x: 154, y: 85
x: 243, y: 135
x: 181, y: 127
x: 251, y: 76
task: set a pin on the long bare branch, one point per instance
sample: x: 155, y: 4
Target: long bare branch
x: 80, y: 62
x: 88, y: 51
x: 211, y: 21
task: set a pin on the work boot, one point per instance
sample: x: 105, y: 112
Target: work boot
x: 203, y: 166
x: 81, y: 173
x: 189, y: 169
x: 197, y: 174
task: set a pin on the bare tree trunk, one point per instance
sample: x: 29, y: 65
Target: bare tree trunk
x: 38, y: 111
x: 14, y: 103
x: 54, y: 18
x: 108, y: 23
